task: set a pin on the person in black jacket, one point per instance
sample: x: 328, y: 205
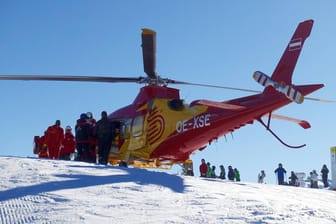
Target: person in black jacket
x: 82, y: 134
x: 231, y: 173
x: 104, y: 132
x: 325, y: 172
x: 293, y: 179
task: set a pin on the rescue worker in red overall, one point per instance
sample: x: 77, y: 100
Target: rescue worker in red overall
x: 53, y: 138
x: 203, y: 168
x: 43, y: 152
x: 92, y: 140
x: 68, y: 145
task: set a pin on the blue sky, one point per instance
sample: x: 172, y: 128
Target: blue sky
x: 212, y: 42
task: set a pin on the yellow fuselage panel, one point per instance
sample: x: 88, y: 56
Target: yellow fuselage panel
x: 160, y: 123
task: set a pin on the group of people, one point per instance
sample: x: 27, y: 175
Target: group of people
x: 92, y: 140
x: 293, y: 179
x: 206, y: 170
x: 313, y: 177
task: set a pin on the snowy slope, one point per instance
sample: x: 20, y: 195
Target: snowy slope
x: 47, y: 191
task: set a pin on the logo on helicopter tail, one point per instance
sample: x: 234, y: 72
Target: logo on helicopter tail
x: 295, y: 44
x: 156, y: 126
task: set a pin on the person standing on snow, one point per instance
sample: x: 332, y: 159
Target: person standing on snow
x: 237, y: 174
x: 93, y: 142
x: 231, y: 173
x: 209, y: 170
x: 68, y: 144
x: 213, y: 173
x: 203, y: 168
x: 82, y: 134
x: 314, y: 179
x: 293, y: 179
x: 261, y: 177
x: 281, y: 172
x: 104, y: 132
x: 325, y: 172
x: 222, y: 172
x: 53, y: 138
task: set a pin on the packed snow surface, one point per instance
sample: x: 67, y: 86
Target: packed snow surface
x: 50, y: 191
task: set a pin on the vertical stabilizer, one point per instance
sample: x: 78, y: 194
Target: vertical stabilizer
x: 284, y: 70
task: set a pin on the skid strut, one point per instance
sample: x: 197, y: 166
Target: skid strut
x: 277, y: 137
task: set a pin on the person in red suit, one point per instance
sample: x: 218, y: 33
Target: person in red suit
x: 54, y: 137
x: 93, y: 142
x: 68, y: 145
x: 203, y: 168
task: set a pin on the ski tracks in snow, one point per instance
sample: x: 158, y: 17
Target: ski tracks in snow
x: 23, y: 210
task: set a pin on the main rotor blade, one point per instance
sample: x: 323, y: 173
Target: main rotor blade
x: 320, y: 100
x: 71, y: 78
x: 149, y: 52
x: 241, y: 89
x: 140, y: 80
x: 215, y: 86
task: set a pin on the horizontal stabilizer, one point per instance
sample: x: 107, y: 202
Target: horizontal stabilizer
x: 221, y: 105
x: 304, y: 124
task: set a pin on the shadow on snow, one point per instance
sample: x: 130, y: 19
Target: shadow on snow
x: 138, y: 176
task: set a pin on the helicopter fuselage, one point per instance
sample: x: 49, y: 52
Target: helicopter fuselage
x: 160, y: 126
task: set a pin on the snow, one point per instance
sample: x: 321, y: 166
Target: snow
x: 50, y: 191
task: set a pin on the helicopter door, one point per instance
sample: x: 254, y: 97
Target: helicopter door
x: 137, y: 136
x: 115, y: 142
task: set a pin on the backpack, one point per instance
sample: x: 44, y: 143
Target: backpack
x: 82, y: 131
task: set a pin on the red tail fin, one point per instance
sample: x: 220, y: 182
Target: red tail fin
x: 284, y: 70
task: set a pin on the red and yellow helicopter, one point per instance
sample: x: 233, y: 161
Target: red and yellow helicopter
x: 159, y: 129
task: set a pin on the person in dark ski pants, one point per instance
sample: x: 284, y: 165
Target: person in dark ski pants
x: 104, y: 132
x: 222, y: 172
x: 280, y: 171
x: 231, y: 173
x: 293, y: 179
x: 82, y: 133
x: 325, y: 172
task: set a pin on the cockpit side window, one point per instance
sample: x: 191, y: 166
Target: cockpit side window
x: 138, y: 126
x: 176, y: 104
x: 126, y: 129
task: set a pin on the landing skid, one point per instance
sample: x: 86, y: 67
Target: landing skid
x: 155, y: 164
x: 150, y: 164
x: 277, y: 137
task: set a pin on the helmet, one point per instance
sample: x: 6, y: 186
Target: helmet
x: 89, y: 115
x: 58, y: 122
x: 83, y: 116
x: 68, y: 127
